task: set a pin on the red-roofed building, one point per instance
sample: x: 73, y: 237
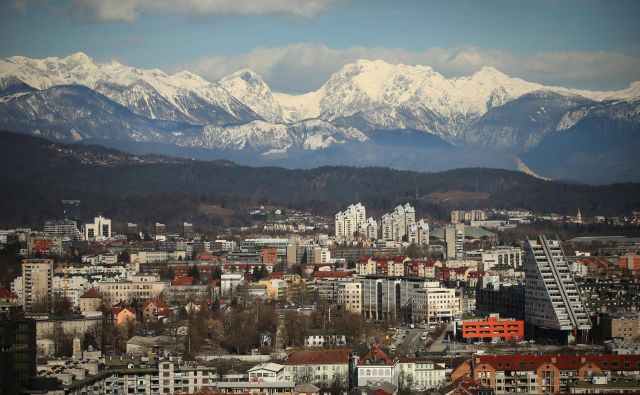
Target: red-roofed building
x: 546, y: 373
x: 182, y: 280
x: 121, y: 315
x: 332, y: 274
x: 91, y: 300
x: 377, y: 366
x: 474, y: 276
x: 276, y: 276
x: 631, y: 262
x: 156, y: 310
x: 7, y: 296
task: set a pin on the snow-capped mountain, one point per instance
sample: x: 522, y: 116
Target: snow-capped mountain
x: 249, y: 88
x: 151, y: 93
x: 380, y: 107
x: 389, y: 96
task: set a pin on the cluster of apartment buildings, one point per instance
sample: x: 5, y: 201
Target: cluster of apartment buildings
x: 399, y: 225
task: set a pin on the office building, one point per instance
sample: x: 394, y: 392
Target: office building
x: 187, y: 230
x: 505, y: 299
x: 71, y: 210
x: 454, y: 239
x: 493, y: 328
x: 17, y: 353
x: 501, y: 255
x: 389, y: 297
x: 350, y: 296
x: 160, y: 229
x: 66, y: 229
x: 99, y: 230
x: 434, y: 304
x: 132, y: 229
x: 459, y: 216
x: 552, y: 299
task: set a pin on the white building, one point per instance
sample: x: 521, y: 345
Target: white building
x: 377, y: 367
x: 317, y: 366
x: 434, y: 304
x: 502, y: 255
x: 369, y: 229
x: 426, y: 374
x: 316, y: 338
x: 229, y: 282
x: 100, y: 229
x: 348, y: 222
x: 268, y: 372
x: 350, y: 296
x: 395, y: 225
x: 459, y: 216
x: 223, y: 245
x: 140, y: 287
x: 70, y: 286
x: 552, y: 299
x: 419, y: 233
x: 66, y: 228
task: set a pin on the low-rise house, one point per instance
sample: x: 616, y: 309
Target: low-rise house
x: 121, y: 315
x: 317, y: 366
x: 90, y: 301
x: 267, y: 372
x: 156, y: 310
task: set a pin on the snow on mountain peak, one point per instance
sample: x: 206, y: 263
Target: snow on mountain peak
x: 247, y: 75
x: 78, y: 57
x: 250, y: 89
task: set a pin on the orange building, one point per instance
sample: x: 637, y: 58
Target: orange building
x: 492, y: 328
x: 630, y: 261
x: 269, y: 256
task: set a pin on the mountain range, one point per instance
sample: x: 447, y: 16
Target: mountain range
x: 367, y: 113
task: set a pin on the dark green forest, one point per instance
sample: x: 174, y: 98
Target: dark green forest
x: 36, y: 174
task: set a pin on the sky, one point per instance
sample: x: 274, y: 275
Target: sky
x: 295, y: 45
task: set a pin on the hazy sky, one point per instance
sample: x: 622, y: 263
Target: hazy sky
x: 296, y: 45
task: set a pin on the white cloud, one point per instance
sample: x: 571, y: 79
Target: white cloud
x: 130, y: 10
x: 305, y: 67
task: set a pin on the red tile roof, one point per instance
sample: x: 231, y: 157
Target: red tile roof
x: 374, y: 356
x: 563, y: 362
x: 183, y: 280
x: 476, y: 274
x: 118, y: 310
x: 5, y: 293
x: 332, y: 274
x: 158, y: 303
